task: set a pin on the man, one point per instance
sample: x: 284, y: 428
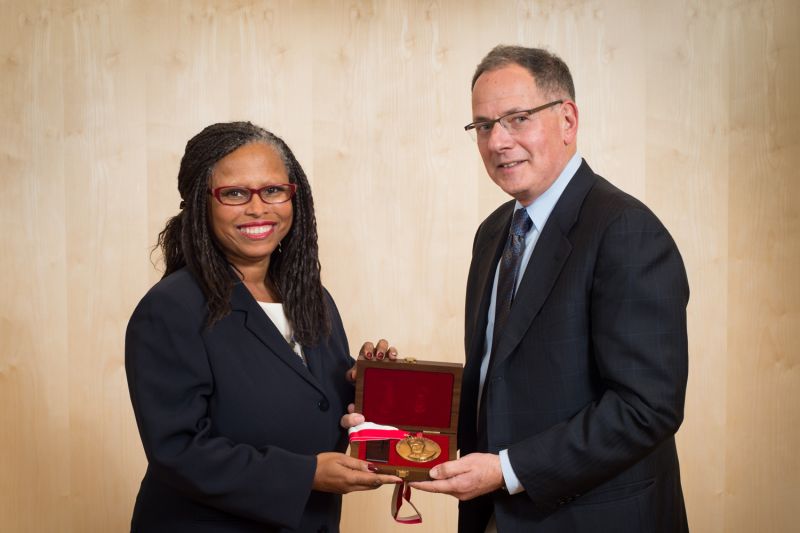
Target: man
x: 576, y: 345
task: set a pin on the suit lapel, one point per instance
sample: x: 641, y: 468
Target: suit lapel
x: 487, y: 257
x: 548, y: 258
x: 314, y: 360
x: 257, y: 323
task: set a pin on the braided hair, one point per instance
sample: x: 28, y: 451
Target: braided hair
x: 188, y: 240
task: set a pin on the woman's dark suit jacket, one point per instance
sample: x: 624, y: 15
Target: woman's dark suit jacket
x: 230, y: 418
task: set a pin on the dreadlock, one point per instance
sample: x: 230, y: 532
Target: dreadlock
x: 187, y: 240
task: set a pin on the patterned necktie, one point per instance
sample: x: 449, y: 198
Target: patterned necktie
x: 521, y: 224
x: 509, y: 272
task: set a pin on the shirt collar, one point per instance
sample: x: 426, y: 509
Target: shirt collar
x: 540, y: 209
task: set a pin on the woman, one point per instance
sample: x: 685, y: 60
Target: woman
x: 237, y: 359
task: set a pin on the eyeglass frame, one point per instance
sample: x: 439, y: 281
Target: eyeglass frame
x: 472, y: 126
x: 254, y: 192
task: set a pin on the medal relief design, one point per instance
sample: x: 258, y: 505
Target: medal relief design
x: 418, y: 449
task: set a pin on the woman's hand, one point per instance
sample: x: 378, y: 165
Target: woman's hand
x: 340, y: 474
x: 373, y: 352
x: 351, y: 418
x: 379, y: 352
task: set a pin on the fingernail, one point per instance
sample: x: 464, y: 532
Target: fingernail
x: 380, y: 355
x: 372, y: 468
x: 368, y: 355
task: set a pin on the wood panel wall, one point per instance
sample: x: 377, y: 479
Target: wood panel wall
x: 690, y: 105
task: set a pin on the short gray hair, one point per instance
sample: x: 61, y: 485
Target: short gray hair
x: 550, y: 72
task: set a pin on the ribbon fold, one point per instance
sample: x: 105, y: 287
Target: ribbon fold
x: 403, y: 492
x: 368, y: 431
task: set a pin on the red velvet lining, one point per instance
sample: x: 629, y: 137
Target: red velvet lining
x: 407, y: 398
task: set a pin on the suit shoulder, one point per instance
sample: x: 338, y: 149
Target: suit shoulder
x: 499, y: 217
x: 179, y: 290
x: 612, y: 197
x: 606, y: 202
x: 180, y: 283
x: 618, y: 221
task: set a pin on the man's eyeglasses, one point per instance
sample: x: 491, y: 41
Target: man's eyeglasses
x: 271, y: 194
x: 514, y: 122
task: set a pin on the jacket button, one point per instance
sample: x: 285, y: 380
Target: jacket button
x: 323, y: 405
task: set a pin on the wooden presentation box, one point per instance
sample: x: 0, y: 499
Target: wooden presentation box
x: 419, y: 397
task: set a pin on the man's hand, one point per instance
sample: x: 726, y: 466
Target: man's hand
x: 340, y: 474
x: 465, y: 478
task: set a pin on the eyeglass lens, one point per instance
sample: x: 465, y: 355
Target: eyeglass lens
x: 514, y: 123
x: 271, y: 194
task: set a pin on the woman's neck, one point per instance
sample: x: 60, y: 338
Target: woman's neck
x: 258, y: 282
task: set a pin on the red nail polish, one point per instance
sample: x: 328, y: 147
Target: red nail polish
x: 372, y: 468
x: 368, y: 355
x: 380, y: 355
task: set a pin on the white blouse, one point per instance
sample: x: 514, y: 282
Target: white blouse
x: 278, y: 317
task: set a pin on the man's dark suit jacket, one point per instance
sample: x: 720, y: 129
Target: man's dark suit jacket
x: 588, y: 385
x: 230, y: 418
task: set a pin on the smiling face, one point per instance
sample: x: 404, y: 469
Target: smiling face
x: 526, y: 164
x: 249, y: 233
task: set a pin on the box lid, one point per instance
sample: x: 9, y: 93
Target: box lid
x: 409, y: 394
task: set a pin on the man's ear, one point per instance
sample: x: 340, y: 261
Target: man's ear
x: 569, y: 122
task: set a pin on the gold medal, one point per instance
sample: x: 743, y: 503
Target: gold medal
x: 418, y: 449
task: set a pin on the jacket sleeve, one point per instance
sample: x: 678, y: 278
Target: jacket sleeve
x: 170, y: 383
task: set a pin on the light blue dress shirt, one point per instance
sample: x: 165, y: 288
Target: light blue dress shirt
x: 539, y: 211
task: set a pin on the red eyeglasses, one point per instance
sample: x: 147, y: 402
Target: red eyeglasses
x: 276, y: 193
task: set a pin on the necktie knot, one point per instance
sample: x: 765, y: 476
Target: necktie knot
x: 521, y: 223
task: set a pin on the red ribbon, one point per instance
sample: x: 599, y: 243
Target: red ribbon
x: 403, y: 492
x: 377, y: 434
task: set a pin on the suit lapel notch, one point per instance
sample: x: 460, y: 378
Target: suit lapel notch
x: 257, y: 323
